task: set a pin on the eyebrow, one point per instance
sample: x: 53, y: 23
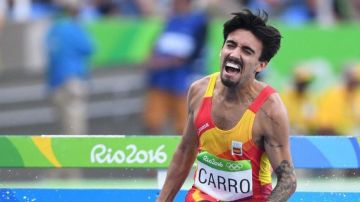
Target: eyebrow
x: 245, y: 46
x: 250, y: 49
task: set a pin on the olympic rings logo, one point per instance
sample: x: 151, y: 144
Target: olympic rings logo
x: 233, y: 166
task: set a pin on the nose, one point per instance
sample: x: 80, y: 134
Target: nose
x: 236, y: 52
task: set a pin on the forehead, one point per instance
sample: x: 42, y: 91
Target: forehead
x: 245, y: 38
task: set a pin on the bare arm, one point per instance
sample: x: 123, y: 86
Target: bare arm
x: 276, y: 143
x: 182, y: 161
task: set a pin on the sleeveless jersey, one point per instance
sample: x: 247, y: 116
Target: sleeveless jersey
x: 234, y: 144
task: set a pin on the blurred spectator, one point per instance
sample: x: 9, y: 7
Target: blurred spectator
x: 89, y: 11
x: 25, y: 10
x: 41, y: 9
x: 2, y: 21
x: 220, y: 8
x: 293, y: 12
x: 106, y: 7
x: 69, y: 47
x: 136, y: 8
x: 347, y: 10
x: 94, y: 9
x: 355, y: 5
x: 339, y: 107
x: 18, y: 11
x: 3, y: 7
x: 301, y: 102
x: 172, y: 66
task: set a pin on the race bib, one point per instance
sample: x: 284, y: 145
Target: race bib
x: 223, y: 179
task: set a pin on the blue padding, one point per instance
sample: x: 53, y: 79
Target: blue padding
x: 131, y: 195
x: 325, y: 197
x: 307, y: 155
x: 79, y: 195
x: 325, y: 152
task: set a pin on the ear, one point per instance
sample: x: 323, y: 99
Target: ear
x: 261, y: 66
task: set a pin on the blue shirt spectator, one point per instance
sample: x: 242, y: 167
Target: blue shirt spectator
x: 173, y: 66
x: 69, y: 47
x: 292, y: 12
x: 182, y: 38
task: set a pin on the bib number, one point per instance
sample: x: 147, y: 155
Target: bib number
x: 223, y: 179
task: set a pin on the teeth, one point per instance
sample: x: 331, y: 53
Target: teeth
x: 232, y: 65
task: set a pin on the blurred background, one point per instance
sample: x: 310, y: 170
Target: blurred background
x: 110, y: 46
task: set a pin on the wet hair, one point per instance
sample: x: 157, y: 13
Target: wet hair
x: 269, y: 36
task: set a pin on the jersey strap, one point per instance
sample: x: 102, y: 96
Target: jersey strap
x: 261, y: 98
x: 210, y: 89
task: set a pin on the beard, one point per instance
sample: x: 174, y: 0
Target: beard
x: 228, y: 83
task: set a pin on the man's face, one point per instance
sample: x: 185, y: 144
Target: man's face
x: 302, y: 86
x: 351, y: 81
x: 240, y: 58
x: 180, y: 6
x: 352, y: 77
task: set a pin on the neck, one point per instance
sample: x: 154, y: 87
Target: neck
x: 241, y: 93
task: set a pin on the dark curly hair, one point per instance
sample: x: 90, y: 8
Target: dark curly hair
x: 269, y: 36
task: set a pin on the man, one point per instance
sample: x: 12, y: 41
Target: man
x: 339, y: 105
x: 69, y: 49
x: 300, y: 101
x: 172, y: 66
x: 237, y: 127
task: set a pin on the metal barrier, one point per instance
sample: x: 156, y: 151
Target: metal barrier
x: 64, y: 151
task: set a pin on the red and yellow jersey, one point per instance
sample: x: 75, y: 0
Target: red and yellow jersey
x: 235, y: 144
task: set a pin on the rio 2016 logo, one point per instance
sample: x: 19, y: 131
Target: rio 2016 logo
x: 102, y: 154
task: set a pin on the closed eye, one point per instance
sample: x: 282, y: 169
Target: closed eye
x: 230, y: 45
x: 248, y: 50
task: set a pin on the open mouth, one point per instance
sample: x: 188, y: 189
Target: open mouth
x: 231, y: 67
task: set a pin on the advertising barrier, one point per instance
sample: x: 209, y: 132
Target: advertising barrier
x: 102, y: 151
x: 86, y: 151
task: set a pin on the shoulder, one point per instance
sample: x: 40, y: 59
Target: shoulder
x: 199, y: 86
x: 274, y: 106
x: 271, y: 122
x: 197, y: 91
x: 273, y: 118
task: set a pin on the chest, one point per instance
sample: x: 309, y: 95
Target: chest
x: 239, y: 119
x: 227, y: 115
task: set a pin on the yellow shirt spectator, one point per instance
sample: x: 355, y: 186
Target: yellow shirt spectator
x: 301, y: 111
x: 339, y: 112
x: 300, y: 102
x: 339, y: 108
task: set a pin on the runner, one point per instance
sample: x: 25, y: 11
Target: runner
x: 237, y: 126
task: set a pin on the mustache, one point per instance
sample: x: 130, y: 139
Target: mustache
x: 235, y: 60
